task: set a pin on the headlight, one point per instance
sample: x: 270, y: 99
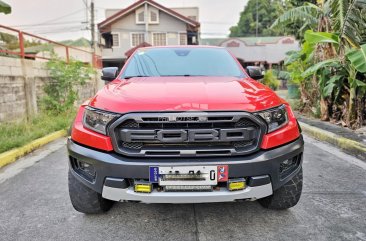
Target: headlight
x: 97, y: 120
x: 275, y: 118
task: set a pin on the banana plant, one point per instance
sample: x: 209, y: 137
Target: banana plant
x: 347, y: 20
x: 358, y: 58
x: 335, y: 55
x: 309, y: 14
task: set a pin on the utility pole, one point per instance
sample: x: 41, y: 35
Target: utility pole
x: 146, y: 15
x: 256, y: 19
x: 92, y: 25
x: 86, y: 12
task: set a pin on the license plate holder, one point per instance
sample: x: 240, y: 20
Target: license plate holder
x: 187, y: 175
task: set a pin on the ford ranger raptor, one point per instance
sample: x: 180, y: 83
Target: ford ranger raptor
x: 185, y: 124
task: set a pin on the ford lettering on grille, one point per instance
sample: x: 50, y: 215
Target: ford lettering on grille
x: 193, y: 135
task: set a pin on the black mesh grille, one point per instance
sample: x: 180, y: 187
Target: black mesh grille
x: 244, y: 123
x: 130, y: 124
x: 241, y: 144
x: 138, y: 134
x: 133, y: 145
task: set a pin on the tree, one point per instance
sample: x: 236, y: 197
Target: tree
x: 268, y: 12
x: 266, y: 15
x: 4, y: 8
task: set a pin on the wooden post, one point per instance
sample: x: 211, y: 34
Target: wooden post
x: 21, y: 44
x: 67, y: 55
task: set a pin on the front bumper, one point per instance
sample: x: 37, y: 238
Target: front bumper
x: 222, y: 195
x: 111, y: 165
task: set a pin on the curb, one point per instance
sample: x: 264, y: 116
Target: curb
x: 350, y: 146
x: 12, y: 155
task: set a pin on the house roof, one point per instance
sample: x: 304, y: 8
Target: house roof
x: 132, y: 50
x: 137, y: 4
x: 249, y: 41
x: 212, y: 41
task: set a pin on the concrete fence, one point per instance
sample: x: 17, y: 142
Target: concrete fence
x: 21, y: 87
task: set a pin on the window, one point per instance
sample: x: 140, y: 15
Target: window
x: 137, y: 39
x: 115, y: 40
x: 183, y: 62
x: 159, y: 39
x: 154, y: 16
x: 183, y: 38
x: 140, y: 16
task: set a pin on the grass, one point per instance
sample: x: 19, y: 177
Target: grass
x: 13, y: 135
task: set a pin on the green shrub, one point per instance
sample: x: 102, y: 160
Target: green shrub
x: 284, y: 75
x: 270, y: 80
x: 61, y: 92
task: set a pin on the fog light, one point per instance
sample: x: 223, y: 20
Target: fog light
x: 236, y: 184
x: 288, y: 164
x: 87, y: 168
x: 84, y: 169
x: 143, y: 187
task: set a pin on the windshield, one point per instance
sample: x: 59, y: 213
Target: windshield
x: 182, y: 62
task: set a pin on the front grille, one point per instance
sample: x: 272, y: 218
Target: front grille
x: 187, y: 134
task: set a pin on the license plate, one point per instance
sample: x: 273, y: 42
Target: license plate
x: 184, y: 175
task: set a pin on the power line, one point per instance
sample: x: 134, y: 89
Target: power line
x: 51, y: 24
x: 218, y: 23
x: 66, y: 30
x: 67, y: 15
x: 61, y: 28
x: 51, y: 20
x: 66, y: 26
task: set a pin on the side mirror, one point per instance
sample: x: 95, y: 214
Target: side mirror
x: 254, y: 72
x: 109, y: 73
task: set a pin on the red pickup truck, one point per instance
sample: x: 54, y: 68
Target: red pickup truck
x: 184, y: 124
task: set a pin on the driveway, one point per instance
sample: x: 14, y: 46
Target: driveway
x: 34, y: 205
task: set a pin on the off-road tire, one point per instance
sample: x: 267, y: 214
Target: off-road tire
x: 286, y: 196
x: 85, y: 200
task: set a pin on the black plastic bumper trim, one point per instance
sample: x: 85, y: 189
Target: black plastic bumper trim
x: 259, y: 180
x: 116, y: 182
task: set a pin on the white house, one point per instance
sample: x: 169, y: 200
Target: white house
x: 145, y: 23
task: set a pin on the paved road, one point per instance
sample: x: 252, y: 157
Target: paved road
x: 34, y: 205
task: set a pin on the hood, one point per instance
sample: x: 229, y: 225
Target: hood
x: 185, y: 94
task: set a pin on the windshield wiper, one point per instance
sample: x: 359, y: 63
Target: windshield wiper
x: 184, y: 75
x: 135, y: 76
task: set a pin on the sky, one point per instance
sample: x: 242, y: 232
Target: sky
x: 65, y: 19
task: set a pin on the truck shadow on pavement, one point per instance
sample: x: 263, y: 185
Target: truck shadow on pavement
x: 212, y: 221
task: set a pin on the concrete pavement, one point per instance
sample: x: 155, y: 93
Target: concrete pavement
x: 34, y: 205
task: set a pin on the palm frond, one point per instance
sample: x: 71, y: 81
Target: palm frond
x: 324, y: 64
x: 357, y: 57
x: 347, y: 20
x: 308, y: 13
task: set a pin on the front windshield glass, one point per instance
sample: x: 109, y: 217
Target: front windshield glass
x: 182, y: 62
